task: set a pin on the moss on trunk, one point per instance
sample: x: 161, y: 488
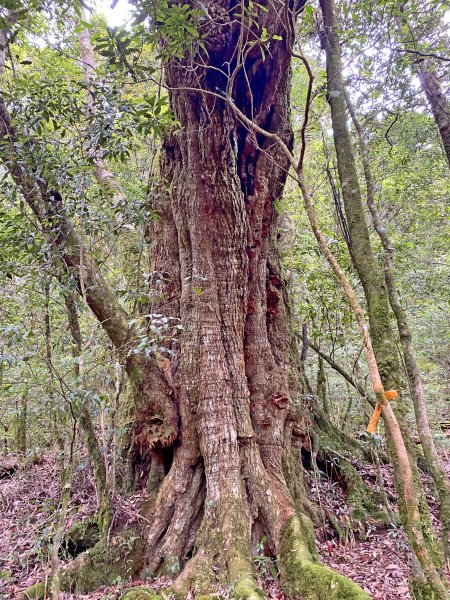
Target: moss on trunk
x: 303, y: 576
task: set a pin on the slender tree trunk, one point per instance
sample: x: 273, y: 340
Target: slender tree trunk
x: 65, y: 496
x: 375, y: 292
x: 431, y: 86
x: 321, y: 388
x: 3, y: 42
x: 349, y: 378
x: 4, y: 425
x: 104, y: 512
x: 366, y: 264
x: 103, y: 174
x: 432, y: 458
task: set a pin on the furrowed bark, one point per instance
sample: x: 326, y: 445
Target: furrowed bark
x: 231, y: 375
x: 412, y: 514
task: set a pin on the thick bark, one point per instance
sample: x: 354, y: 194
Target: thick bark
x: 233, y: 391
x: 214, y: 256
x: 233, y: 379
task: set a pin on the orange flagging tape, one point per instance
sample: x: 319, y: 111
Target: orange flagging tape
x: 373, y: 423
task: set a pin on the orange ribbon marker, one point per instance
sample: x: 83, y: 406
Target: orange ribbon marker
x: 373, y: 423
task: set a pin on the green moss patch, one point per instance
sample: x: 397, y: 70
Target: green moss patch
x: 304, y: 577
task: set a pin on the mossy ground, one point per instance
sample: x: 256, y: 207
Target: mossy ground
x: 139, y: 593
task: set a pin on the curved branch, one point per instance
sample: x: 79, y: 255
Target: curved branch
x: 327, y: 358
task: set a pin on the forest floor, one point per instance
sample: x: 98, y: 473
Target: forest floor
x: 376, y: 558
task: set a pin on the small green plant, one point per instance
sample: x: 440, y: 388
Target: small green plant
x: 174, y: 565
x: 264, y: 565
x: 118, y: 580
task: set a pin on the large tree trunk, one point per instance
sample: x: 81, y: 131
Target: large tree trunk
x: 215, y: 260
x: 216, y: 256
x: 231, y: 474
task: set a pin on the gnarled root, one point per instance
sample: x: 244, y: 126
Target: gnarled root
x: 201, y: 575
x: 302, y: 575
x: 209, y: 544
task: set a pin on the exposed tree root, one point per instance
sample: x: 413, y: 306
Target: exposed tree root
x: 302, y: 575
x: 175, y: 516
x: 207, y: 543
x: 199, y: 576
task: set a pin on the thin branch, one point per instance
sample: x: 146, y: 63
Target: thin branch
x: 424, y: 54
x: 334, y: 365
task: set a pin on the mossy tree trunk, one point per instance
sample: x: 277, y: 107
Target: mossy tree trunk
x: 372, y: 279
x: 433, y: 460
x: 321, y: 386
x: 365, y: 261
